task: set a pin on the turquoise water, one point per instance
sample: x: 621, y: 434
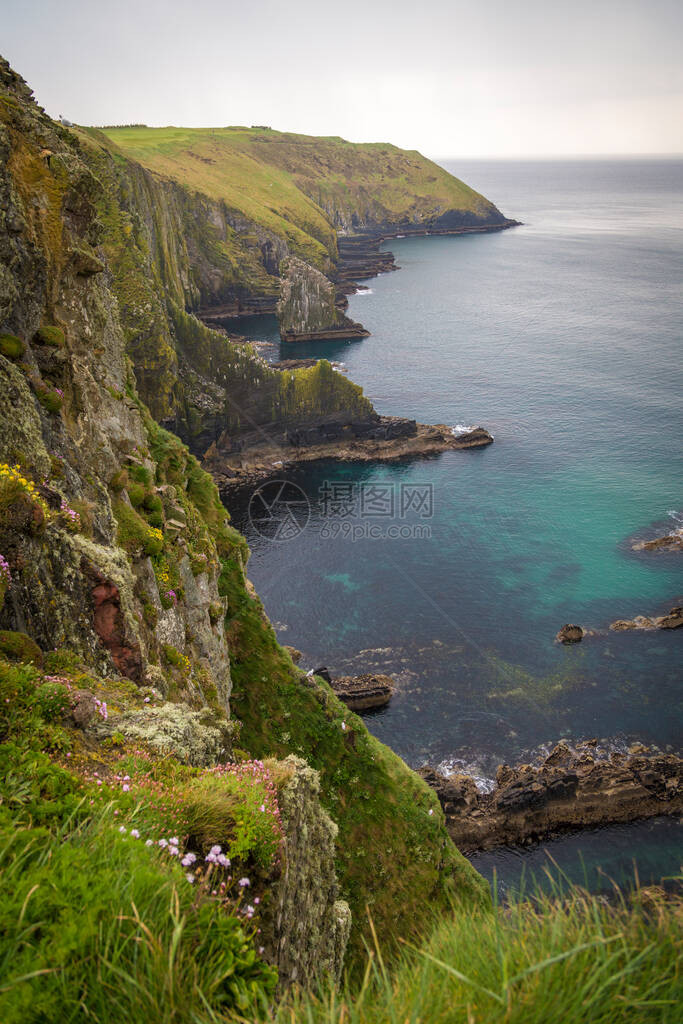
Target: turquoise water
x: 563, y: 337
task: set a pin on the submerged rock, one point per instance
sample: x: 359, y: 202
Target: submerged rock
x: 669, y: 542
x: 570, y: 634
x: 674, y: 620
x: 361, y: 693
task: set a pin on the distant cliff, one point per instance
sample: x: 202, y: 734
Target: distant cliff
x: 256, y: 196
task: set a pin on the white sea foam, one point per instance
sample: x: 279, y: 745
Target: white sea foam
x: 458, y: 766
x: 364, y: 291
x: 461, y: 428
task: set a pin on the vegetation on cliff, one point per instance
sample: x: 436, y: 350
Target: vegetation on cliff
x: 566, y: 958
x: 302, y: 187
x: 147, y: 832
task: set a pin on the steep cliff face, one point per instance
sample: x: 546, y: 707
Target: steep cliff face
x: 169, y: 252
x: 303, y: 192
x: 307, y: 305
x: 305, y: 925
x: 118, y: 553
x: 110, y: 554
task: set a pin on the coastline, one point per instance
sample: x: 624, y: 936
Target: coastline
x: 572, y: 789
x: 256, y: 463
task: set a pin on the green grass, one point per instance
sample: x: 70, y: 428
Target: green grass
x: 94, y: 924
x: 295, y: 184
x: 569, y: 959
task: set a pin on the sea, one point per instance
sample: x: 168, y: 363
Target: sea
x: 564, y: 338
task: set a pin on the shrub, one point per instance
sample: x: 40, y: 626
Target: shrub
x: 51, y: 336
x: 5, y: 579
x: 11, y: 347
x: 140, y: 474
x: 22, y: 509
x: 51, y: 399
x: 52, y: 700
x: 136, y: 493
x: 19, y: 647
x: 154, y: 541
x: 119, y: 481
x: 175, y: 658
x: 133, y: 532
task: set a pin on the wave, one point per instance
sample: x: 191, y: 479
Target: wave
x: 459, y: 766
x: 364, y: 291
x: 461, y: 428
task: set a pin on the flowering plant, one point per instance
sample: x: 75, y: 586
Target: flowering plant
x: 5, y: 579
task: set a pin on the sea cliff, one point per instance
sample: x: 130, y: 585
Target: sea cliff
x: 135, y: 657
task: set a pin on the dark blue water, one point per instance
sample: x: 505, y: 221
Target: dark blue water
x: 642, y: 853
x: 563, y: 337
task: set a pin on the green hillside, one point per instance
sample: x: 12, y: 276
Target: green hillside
x: 302, y: 187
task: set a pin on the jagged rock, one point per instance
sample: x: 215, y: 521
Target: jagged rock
x: 570, y: 634
x: 294, y: 654
x: 305, y: 925
x: 478, y: 437
x: 572, y: 788
x: 361, y: 693
x: 307, y: 306
x: 83, y: 707
x: 110, y: 625
x: 669, y: 542
x: 674, y: 620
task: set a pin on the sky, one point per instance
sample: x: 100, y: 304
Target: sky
x: 506, y: 78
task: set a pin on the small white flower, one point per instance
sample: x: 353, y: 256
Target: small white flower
x: 163, y: 843
x: 343, y: 726
x: 134, y: 833
x: 122, y: 828
x: 244, y: 882
x: 431, y: 811
x: 149, y: 842
x: 189, y: 877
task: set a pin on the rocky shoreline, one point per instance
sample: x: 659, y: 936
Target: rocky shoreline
x: 386, y: 439
x: 572, y: 788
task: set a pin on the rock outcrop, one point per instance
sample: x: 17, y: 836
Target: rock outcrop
x: 571, y: 789
x: 371, y: 439
x: 306, y: 925
x: 674, y: 620
x: 307, y: 307
x: 669, y: 542
x: 570, y: 634
x: 364, y: 692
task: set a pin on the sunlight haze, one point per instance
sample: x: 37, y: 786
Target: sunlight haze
x: 448, y: 78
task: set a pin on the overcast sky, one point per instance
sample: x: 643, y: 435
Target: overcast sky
x: 451, y: 78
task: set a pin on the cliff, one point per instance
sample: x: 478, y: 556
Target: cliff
x: 303, y: 194
x: 130, y: 637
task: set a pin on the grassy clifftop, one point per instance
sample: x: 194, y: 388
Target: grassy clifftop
x: 302, y: 187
